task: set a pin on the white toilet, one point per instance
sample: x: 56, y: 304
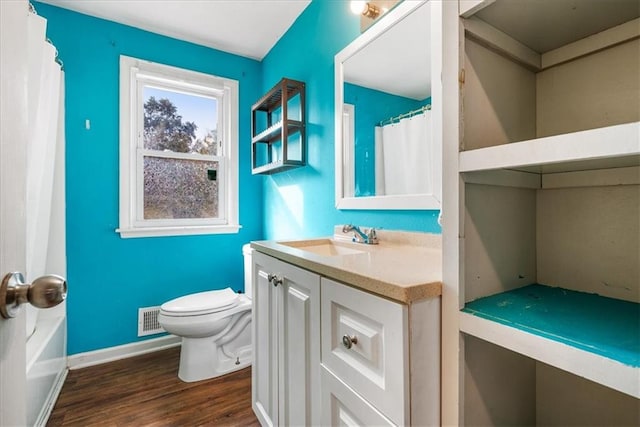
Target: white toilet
x: 215, y: 327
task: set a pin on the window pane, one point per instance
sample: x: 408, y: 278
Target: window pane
x: 180, y: 122
x: 175, y: 188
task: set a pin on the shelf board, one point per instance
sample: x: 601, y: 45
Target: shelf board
x: 601, y: 148
x: 274, y: 132
x: 588, y: 335
x: 273, y: 99
x: 277, y: 166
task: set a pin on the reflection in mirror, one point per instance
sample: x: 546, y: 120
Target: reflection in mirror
x: 371, y: 10
x: 388, y: 144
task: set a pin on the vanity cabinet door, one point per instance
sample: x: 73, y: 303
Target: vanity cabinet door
x: 264, y: 372
x: 299, y: 335
x: 341, y: 406
x: 286, y: 370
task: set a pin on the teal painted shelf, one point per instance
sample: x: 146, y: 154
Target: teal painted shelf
x: 604, y: 326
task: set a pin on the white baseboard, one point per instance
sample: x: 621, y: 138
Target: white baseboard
x: 47, y: 408
x: 96, y: 357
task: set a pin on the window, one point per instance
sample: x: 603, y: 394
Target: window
x: 178, y: 151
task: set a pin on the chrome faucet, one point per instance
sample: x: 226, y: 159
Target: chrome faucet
x: 368, y: 238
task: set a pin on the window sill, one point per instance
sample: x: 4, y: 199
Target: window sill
x: 126, y: 233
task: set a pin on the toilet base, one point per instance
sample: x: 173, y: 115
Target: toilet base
x: 202, y: 358
x: 191, y: 371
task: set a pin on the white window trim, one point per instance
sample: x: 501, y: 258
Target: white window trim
x: 130, y: 70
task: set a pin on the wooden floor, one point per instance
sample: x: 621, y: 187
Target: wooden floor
x: 145, y: 391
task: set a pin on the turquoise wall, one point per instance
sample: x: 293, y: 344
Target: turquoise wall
x: 301, y: 202
x: 109, y: 277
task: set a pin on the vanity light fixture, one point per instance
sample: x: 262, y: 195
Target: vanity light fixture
x: 365, y: 8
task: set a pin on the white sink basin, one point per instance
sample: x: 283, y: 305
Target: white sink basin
x: 324, y: 247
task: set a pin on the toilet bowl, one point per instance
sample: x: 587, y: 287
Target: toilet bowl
x: 215, y: 327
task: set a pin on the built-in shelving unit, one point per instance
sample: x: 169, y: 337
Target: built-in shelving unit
x: 549, y: 156
x: 278, y: 128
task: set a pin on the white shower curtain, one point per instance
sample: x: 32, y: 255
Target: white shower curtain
x: 46, y: 89
x: 403, y: 156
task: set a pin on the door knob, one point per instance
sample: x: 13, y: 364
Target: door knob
x: 44, y: 292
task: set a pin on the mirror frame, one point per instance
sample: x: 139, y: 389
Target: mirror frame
x: 344, y: 167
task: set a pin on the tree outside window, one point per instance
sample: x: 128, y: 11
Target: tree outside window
x: 178, y: 188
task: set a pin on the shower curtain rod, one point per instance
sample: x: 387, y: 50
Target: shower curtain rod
x: 32, y: 9
x: 411, y: 113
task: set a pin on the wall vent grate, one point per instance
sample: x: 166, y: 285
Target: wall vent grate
x: 148, y: 321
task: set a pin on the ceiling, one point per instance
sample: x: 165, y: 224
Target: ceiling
x: 248, y: 28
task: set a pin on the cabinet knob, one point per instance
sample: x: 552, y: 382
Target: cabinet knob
x: 349, y: 341
x: 274, y: 279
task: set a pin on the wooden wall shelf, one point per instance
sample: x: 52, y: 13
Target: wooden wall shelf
x: 278, y: 140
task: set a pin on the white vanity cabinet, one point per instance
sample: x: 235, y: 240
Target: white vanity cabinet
x: 541, y: 208
x: 286, y: 336
x: 327, y: 352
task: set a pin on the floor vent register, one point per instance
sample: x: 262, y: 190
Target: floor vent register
x: 148, y: 321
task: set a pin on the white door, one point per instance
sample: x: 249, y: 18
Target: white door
x: 13, y: 138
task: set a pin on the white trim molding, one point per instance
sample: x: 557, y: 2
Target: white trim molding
x: 134, y: 73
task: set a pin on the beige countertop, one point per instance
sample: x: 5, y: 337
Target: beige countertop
x: 404, y: 267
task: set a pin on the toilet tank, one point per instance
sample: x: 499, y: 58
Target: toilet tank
x: 248, y: 287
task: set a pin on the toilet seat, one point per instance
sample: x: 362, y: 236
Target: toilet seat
x: 201, y: 303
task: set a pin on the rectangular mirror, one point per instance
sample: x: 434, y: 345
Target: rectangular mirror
x: 388, y: 117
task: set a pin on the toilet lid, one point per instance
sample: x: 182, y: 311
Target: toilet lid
x: 201, y: 303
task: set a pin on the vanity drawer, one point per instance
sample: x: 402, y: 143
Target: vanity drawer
x: 341, y: 406
x: 364, y: 343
